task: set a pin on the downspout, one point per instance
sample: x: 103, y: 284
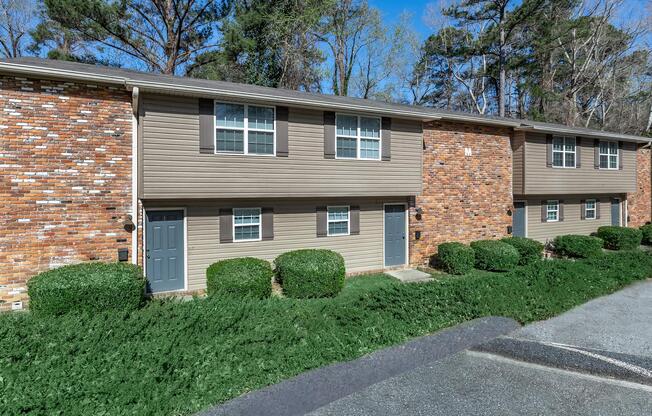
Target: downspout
x: 134, y: 173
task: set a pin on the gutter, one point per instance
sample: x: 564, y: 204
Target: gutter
x: 570, y: 131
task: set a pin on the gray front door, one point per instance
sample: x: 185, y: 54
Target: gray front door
x: 164, y: 251
x: 394, y: 235
x: 518, y: 219
x: 615, y: 212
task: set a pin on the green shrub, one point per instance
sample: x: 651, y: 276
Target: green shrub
x: 495, y: 255
x: 579, y: 246
x: 241, y: 277
x: 646, y: 234
x: 455, y: 258
x: 87, y: 287
x: 529, y: 250
x: 620, y: 238
x: 310, y: 273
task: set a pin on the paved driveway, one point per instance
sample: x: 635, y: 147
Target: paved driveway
x: 593, y: 360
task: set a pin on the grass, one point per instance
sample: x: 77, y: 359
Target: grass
x: 172, y: 358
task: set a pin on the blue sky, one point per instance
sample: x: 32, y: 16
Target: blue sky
x: 631, y: 9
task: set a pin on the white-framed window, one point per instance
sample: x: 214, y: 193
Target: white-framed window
x: 552, y: 211
x: 590, y: 210
x: 563, y: 152
x: 246, y: 224
x: 608, y: 155
x: 339, y: 220
x: 245, y: 129
x: 357, y: 137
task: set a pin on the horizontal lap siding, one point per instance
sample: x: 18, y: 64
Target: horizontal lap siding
x: 294, y: 228
x: 173, y: 166
x: 572, y: 223
x: 540, y: 179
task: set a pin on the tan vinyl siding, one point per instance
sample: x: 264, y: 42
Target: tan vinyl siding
x: 572, y: 223
x: 295, y: 227
x: 541, y: 180
x: 174, y: 168
x: 518, y: 160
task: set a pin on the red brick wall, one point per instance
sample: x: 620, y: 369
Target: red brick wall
x: 65, y: 182
x: 639, y: 204
x: 465, y: 198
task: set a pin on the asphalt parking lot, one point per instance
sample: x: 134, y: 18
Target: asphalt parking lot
x: 593, y: 360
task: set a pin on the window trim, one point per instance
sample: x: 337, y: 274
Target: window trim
x: 564, y: 152
x: 359, y: 137
x: 260, y: 225
x: 594, y: 209
x: 245, y: 129
x: 348, y: 221
x: 600, y: 154
x: 548, y: 210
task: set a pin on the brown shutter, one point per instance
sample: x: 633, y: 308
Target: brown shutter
x: 578, y: 152
x: 544, y: 211
x: 329, y: 135
x: 597, y: 209
x: 206, y: 126
x: 561, y: 210
x: 386, y: 139
x: 620, y: 155
x: 549, y: 150
x: 596, y: 154
x: 282, y: 132
x: 583, y: 209
x: 322, y: 221
x: 354, y: 213
x: 226, y: 225
x: 267, y: 223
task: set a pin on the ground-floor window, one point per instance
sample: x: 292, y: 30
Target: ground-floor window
x: 338, y: 220
x: 589, y: 209
x: 246, y: 224
x: 552, y: 211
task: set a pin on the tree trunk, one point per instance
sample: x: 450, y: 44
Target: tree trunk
x: 501, y: 68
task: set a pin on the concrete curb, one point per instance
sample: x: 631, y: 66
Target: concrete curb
x: 316, y: 388
x: 602, y: 363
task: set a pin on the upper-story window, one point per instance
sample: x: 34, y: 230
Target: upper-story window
x: 244, y: 129
x: 358, y: 137
x: 563, y: 152
x: 608, y: 155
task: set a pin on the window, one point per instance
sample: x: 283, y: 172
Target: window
x: 338, y: 221
x: 358, y: 137
x: 608, y: 155
x: 246, y: 224
x: 563, y: 152
x: 244, y: 129
x: 552, y: 211
x: 589, y: 209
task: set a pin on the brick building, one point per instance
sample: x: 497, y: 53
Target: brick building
x: 213, y: 170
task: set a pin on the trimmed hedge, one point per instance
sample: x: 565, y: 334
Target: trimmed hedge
x: 646, y: 233
x: 455, y: 258
x: 310, y: 273
x: 578, y: 246
x: 495, y: 255
x: 240, y: 277
x: 529, y: 250
x: 620, y: 238
x: 87, y: 287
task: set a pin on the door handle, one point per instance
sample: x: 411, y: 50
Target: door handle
x: 147, y: 253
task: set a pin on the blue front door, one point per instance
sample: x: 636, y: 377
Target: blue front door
x: 518, y: 219
x: 394, y: 235
x: 164, y: 251
x: 615, y: 211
